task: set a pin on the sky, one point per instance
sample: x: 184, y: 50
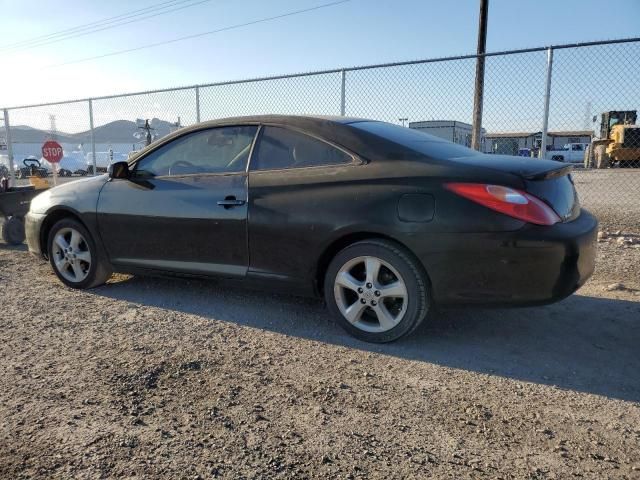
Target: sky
x: 357, y: 32
x: 354, y: 33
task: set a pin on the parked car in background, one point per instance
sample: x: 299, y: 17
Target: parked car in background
x: 524, y: 152
x: 72, y: 163
x: 569, y: 153
x: 381, y: 220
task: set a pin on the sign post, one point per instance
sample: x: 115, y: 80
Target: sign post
x: 52, y: 153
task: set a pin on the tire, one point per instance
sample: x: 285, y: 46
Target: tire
x: 83, y: 266
x: 403, y: 309
x: 13, y: 231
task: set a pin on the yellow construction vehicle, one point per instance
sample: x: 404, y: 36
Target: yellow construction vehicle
x: 619, y: 142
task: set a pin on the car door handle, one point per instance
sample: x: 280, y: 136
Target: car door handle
x: 230, y: 202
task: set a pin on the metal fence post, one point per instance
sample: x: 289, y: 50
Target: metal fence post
x: 93, y: 138
x: 547, y: 98
x: 343, y: 93
x: 7, y: 129
x: 197, y: 104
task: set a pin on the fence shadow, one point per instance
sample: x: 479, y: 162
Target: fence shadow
x: 586, y: 344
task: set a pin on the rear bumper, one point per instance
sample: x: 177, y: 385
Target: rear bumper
x: 32, y: 225
x: 531, y: 266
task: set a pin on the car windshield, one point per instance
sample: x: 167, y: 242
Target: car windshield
x: 416, y: 140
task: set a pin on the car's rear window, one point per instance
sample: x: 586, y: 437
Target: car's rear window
x: 414, y: 139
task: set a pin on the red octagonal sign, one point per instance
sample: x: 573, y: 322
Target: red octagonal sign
x: 52, y: 151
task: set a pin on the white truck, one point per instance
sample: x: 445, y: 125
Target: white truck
x: 569, y: 153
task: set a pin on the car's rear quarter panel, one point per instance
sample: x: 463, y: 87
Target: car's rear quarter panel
x: 296, y: 215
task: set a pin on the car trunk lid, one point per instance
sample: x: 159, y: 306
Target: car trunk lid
x: 548, y: 180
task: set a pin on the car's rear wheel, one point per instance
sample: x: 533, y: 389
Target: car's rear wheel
x: 377, y: 291
x: 74, y: 257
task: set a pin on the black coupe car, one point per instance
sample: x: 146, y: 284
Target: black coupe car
x: 381, y: 220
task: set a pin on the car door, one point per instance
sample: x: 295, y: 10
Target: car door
x: 184, y: 208
x: 299, y: 186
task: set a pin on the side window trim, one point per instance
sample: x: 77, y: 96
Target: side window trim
x: 134, y: 164
x: 252, y: 152
x: 355, y: 159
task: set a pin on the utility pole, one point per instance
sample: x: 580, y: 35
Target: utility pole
x: 147, y: 128
x: 479, y: 88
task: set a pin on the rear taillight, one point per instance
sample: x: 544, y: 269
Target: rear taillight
x: 512, y: 202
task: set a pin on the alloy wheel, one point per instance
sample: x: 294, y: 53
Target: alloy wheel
x: 371, y: 294
x: 71, y: 255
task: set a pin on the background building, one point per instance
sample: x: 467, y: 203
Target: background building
x: 513, y: 142
x: 452, y: 130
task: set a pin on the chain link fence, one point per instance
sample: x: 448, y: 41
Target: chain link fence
x: 590, y: 113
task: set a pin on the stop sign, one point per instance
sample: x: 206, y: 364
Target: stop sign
x: 52, y: 151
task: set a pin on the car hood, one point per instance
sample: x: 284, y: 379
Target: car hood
x: 68, y: 194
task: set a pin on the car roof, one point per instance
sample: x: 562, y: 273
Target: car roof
x: 285, y: 119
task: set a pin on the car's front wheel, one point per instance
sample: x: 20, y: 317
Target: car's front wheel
x: 377, y: 290
x: 74, y: 257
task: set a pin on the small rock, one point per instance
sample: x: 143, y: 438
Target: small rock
x: 602, y: 236
x: 614, y: 287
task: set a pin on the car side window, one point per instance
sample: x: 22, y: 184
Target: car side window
x: 215, y: 150
x: 280, y: 148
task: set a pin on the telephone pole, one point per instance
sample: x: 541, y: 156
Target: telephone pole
x: 479, y: 88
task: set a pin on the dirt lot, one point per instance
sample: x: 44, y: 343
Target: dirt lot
x: 152, y: 378
x: 612, y: 195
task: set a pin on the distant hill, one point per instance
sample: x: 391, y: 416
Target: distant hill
x: 118, y: 131
x: 24, y: 134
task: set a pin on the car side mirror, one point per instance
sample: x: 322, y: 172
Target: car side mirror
x: 119, y: 170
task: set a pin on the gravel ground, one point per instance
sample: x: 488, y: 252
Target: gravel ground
x: 612, y: 195
x: 153, y: 378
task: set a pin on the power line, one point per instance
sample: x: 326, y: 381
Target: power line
x: 98, y: 23
x: 68, y: 30
x: 105, y: 24
x: 197, y: 35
